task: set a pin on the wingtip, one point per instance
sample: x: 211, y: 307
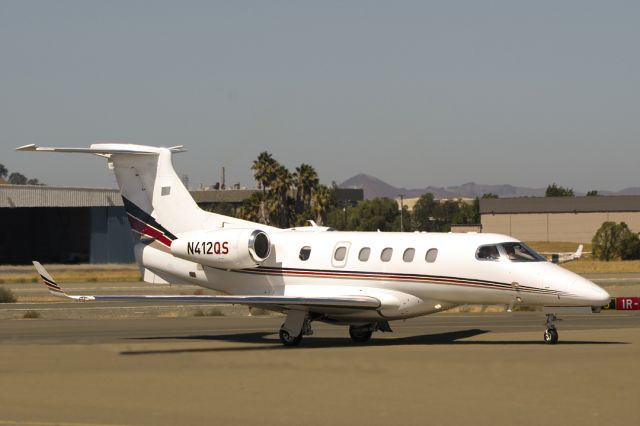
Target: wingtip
x: 29, y: 147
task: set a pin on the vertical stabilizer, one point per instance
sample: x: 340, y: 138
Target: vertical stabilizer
x: 154, y: 195
x: 157, y: 203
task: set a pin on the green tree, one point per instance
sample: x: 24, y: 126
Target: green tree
x: 17, y: 179
x: 3, y: 171
x: 615, y: 241
x: 372, y: 215
x: 593, y: 193
x: 555, y: 190
x: 252, y: 207
x: 323, y: 198
x: 264, y: 172
x: 406, y: 221
x: 306, y: 180
x: 279, y: 202
x: 424, y: 213
x: 490, y: 195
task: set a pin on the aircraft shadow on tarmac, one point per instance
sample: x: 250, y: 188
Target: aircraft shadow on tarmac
x: 270, y: 341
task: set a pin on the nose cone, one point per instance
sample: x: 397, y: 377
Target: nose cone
x: 591, y: 293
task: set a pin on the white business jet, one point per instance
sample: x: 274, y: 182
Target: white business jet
x: 360, y: 279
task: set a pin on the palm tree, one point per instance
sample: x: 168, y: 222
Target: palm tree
x: 264, y: 169
x: 306, y: 179
x: 251, y: 207
x: 322, y: 198
x: 279, y: 196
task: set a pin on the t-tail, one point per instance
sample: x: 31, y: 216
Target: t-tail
x: 158, y: 205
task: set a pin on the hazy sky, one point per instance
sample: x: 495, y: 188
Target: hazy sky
x: 415, y: 93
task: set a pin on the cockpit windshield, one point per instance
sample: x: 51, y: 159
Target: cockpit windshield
x: 515, y: 252
x: 520, y: 252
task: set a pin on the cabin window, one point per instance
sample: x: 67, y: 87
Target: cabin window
x: 363, y: 256
x: 305, y: 252
x: 432, y: 255
x: 520, y: 252
x: 408, y: 254
x: 385, y: 256
x: 487, y: 253
x: 340, y: 253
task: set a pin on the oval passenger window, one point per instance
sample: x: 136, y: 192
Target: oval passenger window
x: 431, y: 256
x: 408, y: 254
x: 385, y: 256
x: 363, y: 256
x: 340, y: 254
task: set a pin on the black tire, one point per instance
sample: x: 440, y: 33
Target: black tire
x: 360, y: 334
x: 288, y: 340
x: 551, y: 336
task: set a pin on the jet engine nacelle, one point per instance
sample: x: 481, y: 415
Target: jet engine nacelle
x: 224, y: 248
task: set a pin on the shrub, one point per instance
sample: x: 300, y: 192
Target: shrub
x: 31, y: 314
x: 615, y: 241
x: 6, y: 295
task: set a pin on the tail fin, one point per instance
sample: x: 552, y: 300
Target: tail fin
x: 156, y: 201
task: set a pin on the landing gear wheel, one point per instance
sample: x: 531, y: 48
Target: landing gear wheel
x: 551, y: 336
x: 360, y: 334
x: 289, y: 340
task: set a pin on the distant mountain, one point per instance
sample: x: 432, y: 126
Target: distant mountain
x: 629, y: 191
x: 374, y: 187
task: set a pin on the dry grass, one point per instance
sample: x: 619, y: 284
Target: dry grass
x: 590, y: 266
x: 213, y: 312
x: 86, y: 274
x: 556, y: 246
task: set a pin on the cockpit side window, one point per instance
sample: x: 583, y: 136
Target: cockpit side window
x: 488, y: 253
x: 520, y: 252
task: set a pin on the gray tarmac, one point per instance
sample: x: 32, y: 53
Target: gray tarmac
x: 444, y: 369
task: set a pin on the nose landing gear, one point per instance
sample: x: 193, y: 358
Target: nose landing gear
x: 551, y: 334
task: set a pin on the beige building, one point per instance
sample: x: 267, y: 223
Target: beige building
x: 574, y: 219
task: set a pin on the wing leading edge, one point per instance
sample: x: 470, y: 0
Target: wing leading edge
x: 347, y: 302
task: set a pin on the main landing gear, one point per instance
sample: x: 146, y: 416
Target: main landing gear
x: 362, y: 333
x: 295, y: 326
x: 298, y: 324
x: 551, y: 334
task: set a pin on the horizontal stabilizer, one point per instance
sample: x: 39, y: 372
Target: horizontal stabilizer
x: 103, y: 149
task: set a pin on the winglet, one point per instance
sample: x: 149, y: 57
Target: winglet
x: 52, y: 286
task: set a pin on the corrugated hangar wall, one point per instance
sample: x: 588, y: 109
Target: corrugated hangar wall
x: 574, y: 227
x: 111, y: 237
x: 65, y: 235
x: 79, y: 225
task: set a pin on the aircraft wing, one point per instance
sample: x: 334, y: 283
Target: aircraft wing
x: 348, y: 302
